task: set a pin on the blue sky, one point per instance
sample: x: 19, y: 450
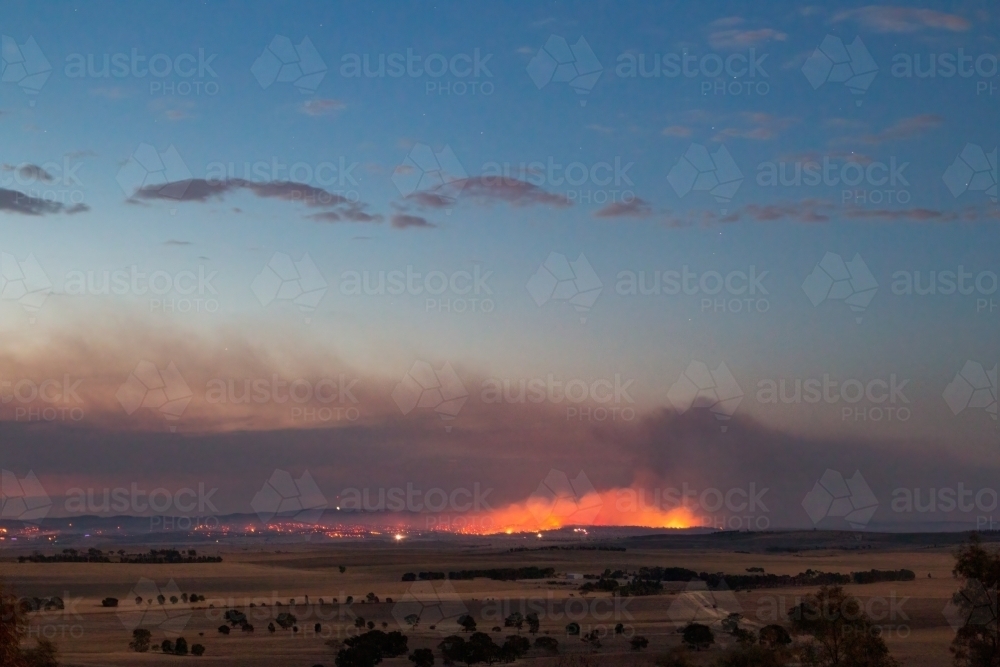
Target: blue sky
x: 354, y: 141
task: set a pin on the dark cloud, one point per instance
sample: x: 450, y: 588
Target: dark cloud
x: 30, y: 171
x: 885, y: 19
x: 635, y: 208
x: 405, y: 221
x: 13, y: 201
x: 202, y: 190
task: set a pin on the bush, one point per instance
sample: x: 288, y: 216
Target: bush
x: 573, y: 629
x: 141, y: 639
x: 197, y: 649
x: 547, y: 644
x: 638, y: 643
x: 698, y: 636
x: 109, y: 602
x: 422, y: 657
x: 224, y: 629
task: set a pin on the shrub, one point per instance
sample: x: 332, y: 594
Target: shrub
x: 197, y: 649
x: 141, y: 639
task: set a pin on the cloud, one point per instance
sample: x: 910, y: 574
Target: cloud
x: 905, y: 128
x: 635, y: 208
x: 726, y: 33
x: 321, y: 107
x: 75, y: 155
x: 30, y: 171
x: 405, y: 221
x: 676, y: 131
x: 813, y: 211
x: 880, y: 18
x: 13, y: 201
x: 351, y: 212
x: 487, y: 189
x: 756, y: 126
x: 200, y: 190
x: 175, y: 242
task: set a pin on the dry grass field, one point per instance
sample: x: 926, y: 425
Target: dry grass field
x: 911, y: 613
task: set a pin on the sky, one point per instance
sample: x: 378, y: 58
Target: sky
x: 565, y: 252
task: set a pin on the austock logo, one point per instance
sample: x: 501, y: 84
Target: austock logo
x: 284, y: 62
x: 286, y: 279
x: 144, y: 608
x: 424, y: 387
x: 973, y: 170
x: 558, y: 62
x: 836, y: 280
x: 24, y: 64
x: 974, y: 387
x: 561, y: 501
x: 284, y: 497
x: 835, y: 62
x: 834, y: 496
x: 24, y: 282
x: 701, y: 171
x: 149, y: 170
x: 426, y: 173
x: 162, y: 390
x: 23, y: 499
x: 700, y: 387
x: 559, y: 279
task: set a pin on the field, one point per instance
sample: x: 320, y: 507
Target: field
x: 910, y: 612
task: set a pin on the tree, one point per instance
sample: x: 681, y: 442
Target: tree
x: 515, y: 620
x: 638, y: 643
x: 197, y: 649
x: 774, y: 636
x: 167, y: 646
x: 514, y: 647
x: 109, y: 602
x: 224, y: 629
x: 181, y: 646
x: 467, y: 622
x: 422, y: 657
x: 270, y: 627
x: 141, y: 640
x: 976, y: 643
x: 698, y: 636
x: 573, y: 629
x: 412, y: 620
x: 844, y: 635
x: 286, y: 620
x: 42, y: 655
x: 533, y: 623
x: 547, y: 644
